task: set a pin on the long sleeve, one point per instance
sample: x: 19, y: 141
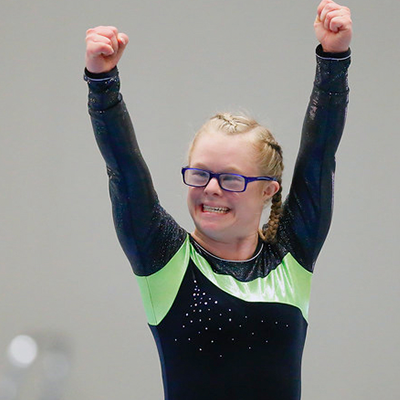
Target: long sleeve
x: 308, y: 208
x: 148, y: 235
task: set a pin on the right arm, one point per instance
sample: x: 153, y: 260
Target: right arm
x: 148, y: 235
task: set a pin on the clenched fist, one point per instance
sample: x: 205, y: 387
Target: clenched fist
x: 104, y: 48
x: 333, y: 26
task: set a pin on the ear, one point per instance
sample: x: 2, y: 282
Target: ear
x: 270, y: 189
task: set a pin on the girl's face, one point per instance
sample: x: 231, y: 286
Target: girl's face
x: 219, y: 215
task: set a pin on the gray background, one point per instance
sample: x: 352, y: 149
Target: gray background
x: 62, y: 270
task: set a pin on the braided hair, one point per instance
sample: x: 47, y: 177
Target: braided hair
x: 270, y: 159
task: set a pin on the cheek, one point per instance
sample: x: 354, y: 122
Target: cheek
x: 192, y: 197
x: 189, y: 199
x: 254, y: 202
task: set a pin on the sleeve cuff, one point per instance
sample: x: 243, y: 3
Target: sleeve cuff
x: 332, y: 56
x: 102, y: 76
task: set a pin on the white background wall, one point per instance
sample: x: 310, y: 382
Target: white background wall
x: 62, y: 270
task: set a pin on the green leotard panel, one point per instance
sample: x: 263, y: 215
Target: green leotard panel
x: 289, y: 284
x: 160, y: 289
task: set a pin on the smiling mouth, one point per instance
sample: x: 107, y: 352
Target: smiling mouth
x: 218, y: 210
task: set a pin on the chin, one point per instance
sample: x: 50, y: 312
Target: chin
x: 211, y: 231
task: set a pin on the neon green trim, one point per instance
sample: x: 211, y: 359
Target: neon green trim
x: 160, y: 289
x: 289, y: 283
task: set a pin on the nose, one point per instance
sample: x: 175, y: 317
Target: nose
x: 213, y: 187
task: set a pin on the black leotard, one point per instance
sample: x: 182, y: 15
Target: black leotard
x: 225, y: 329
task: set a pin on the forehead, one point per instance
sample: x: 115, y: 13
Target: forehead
x: 220, y: 152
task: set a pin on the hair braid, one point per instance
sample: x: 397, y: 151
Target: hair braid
x: 228, y: 122
x: 234, y: 123
x: 270, y: 229
x: 275, y: 145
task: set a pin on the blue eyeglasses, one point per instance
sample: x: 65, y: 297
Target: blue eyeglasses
x: 197, y: 177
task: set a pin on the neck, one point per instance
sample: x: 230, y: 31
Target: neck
x: 236, y: 250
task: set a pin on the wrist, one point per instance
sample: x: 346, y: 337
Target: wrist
x: 321, y: 53
x: 101, y: 76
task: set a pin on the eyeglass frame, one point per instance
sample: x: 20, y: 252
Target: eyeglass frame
x: 247, y: 179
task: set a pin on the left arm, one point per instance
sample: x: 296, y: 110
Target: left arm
x: 307, y: 211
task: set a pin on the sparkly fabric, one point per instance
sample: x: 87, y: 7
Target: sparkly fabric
x: 266, y: 258
x: 140, y: 221
x: 213, y: 345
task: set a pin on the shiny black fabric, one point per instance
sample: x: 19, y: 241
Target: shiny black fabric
x: 213, y: 345
x: 140, y: 221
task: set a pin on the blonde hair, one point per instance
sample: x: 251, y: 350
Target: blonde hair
x: 269, y: 160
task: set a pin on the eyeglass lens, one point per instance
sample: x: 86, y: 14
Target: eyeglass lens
x: 232, y: 182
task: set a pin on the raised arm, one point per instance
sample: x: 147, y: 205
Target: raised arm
x: 148, y: 235
x: 308, y: 209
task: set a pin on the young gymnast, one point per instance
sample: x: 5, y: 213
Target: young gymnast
x: 228, y: 303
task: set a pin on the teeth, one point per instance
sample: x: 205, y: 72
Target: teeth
x: 215, y: 209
